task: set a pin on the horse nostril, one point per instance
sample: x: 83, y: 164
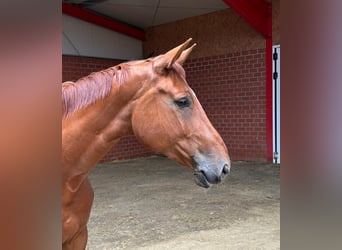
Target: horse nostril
x: 225, y: 169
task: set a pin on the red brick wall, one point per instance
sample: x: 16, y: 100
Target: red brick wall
x: 231, y: 88
x: 232, y: 91
x: 127, y: 148
x: 75, y: 67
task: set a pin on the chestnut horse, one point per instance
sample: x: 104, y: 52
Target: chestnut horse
x: 148, y: 98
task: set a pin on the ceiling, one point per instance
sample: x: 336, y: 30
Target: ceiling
x: 147, y: 13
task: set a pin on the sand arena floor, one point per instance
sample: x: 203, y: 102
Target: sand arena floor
x: 153, y: 203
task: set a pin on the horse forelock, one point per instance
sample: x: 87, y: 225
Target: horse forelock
x: 87, y: 90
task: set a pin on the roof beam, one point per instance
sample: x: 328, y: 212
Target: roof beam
x: 102, y: 21
x: 258, y: 13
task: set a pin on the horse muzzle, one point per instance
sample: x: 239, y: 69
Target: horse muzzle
x: 205, y: 175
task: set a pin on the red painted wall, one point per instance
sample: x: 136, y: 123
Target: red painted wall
x: 232, y: 91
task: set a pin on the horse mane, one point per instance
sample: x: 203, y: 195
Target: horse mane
x: 89, y: 89
x: 98, y: 85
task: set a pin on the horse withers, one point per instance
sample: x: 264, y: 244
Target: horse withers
x: 148, y: 98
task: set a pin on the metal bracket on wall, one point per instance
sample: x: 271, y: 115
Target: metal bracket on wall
x: 275, y: 80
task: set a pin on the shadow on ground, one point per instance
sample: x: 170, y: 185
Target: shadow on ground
x: 153, y: 203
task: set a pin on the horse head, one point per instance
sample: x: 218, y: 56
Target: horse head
x: 168, y: 118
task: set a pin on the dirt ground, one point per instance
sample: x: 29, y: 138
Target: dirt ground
x: 154, y: 204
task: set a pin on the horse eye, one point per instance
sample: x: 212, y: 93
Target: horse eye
x: 183, y: 102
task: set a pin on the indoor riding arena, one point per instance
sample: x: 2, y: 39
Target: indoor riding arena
x: 144, y: 200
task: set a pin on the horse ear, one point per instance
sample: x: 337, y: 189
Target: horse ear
x: 185, y: 54
x: 168, y: 59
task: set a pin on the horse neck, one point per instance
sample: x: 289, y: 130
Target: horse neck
x: 90, y: 133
